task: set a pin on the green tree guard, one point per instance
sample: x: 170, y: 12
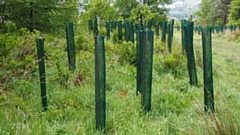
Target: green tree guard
x: 100, y: 83
x: 234, y: 27
x: 131, y: 32
x: 128, y: 31
x: 207, y: 69
x: 164, y: 28
x: 157, y: 28
x: 222, y: 28
x: 119, y: 30
x: 139, y: 60
x: 190, y: 54
x: 217, y: 29
x: 113, y: 25
x: 95, y: 27
x: 126, y: 26
x: 169, y: 33
x: 147, y: 62
x: 178, y: 28
x: 108, y: 30
x: 183, y: 22
x: 172, y: 28
x: 40, y: 52
x: 213, y: 29
x: 141, y: 27
x: 231, y: 28
x: 199, y: 30
x: 149, y: 25
x: 90, y: 25
x: 70, y: 46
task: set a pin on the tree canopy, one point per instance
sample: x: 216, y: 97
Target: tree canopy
x: 108, y: 10
x: 213, y: 12
x: 234, y: 16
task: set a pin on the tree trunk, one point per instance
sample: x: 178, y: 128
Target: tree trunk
x: 31, y: 17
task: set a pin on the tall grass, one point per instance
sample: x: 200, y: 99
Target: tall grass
x: 177, y: 108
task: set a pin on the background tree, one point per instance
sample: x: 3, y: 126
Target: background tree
x: 148, y: 9
x: 101, y: 9
x: 234, y: 16
x: 213, y: 11
x: 44, y: 15
x: 108, y: 10
x: 125, y: 7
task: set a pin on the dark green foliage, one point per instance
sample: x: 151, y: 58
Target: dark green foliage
x: 234, y: 14
x: 46, y: 16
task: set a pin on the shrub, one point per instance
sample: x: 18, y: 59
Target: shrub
x: 8, y: 27
x: 174, y: 63
x: 127, y: 53
x: 114, y: 36
x: 102, y: 32
x: 82, y: 43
